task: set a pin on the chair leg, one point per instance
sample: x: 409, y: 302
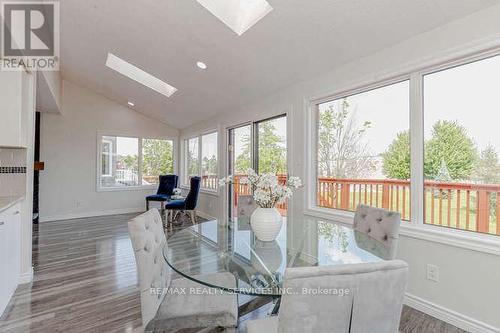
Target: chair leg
x: 193, y: 216
x: 162, y: 207
x: 147, y: 205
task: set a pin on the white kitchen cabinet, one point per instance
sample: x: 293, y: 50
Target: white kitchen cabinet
x: 17, y: 99
x: 10, y: 253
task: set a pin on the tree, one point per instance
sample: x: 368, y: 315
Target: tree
x: 272, y: 151
x: 243, y: 163
x: 209, y: 165
x: 487, y: 170
x: 157, y: 157
x: 396, y: 159
x: 451, y: 144
x: 342, y: 150
x: 192, y: 158
x: 129, y: 161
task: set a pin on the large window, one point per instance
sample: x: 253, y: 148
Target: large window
x: 201, y: 159
x: 367, y: 151
x: 127, y: 162
x: 363, y: 150
x: 462, y: 141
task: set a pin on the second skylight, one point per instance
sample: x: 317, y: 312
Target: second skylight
x: 127, y: 69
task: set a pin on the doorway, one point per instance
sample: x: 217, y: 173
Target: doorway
x: 262, y: 146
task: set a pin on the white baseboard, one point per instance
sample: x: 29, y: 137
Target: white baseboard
x: 80, y: 215
x: 26, y: 277
x: 205, y: 215
x: 452, y: 317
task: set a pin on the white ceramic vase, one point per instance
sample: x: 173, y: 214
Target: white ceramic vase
x: 266, y: 223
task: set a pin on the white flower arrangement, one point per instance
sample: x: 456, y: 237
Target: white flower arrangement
x: 267, y: 191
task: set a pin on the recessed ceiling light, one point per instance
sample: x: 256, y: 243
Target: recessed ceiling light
x: 201, y: 65
x: 131, y: 104
x: 138, y: 75
x: 239, y: 15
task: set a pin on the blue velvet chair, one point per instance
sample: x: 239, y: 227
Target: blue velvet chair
x: 186, y: 205
x: 165, y: 190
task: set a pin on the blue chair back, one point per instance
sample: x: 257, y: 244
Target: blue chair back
x: 167, y: 184
x: 194, y: 190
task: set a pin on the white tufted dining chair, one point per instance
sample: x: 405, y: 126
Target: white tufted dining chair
x: 379, y: 224
x: 373, y: 302
x: 163, y: 311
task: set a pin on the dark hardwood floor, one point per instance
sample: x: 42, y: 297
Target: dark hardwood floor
x: 85, y: 281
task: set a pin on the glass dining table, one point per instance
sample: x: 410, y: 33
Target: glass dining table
x: 259, y: 267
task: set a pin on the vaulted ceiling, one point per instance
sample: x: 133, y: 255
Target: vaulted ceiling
x: 297, y: 40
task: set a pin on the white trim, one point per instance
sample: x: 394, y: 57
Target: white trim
x: 26, y: 277
x: 128, y: 188
x: 468, y: 240
x: 452, y: 317
x: 416, y: 128
x: 71, y: 216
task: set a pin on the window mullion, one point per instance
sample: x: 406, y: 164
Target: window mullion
x: 199, y: 156
x: 139, y: 162
x: 417, y: 149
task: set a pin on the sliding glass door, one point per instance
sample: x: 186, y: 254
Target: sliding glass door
x: 262, y: 147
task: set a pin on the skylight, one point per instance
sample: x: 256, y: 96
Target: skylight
x: 239, y: 15
x: 137, y: 74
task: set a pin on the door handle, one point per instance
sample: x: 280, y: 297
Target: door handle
x: 16, y: 213
x: 2, y: 222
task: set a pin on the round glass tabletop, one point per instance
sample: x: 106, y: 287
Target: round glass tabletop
x: 258, y: 267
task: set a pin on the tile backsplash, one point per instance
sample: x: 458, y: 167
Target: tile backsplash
x: 12, y: 171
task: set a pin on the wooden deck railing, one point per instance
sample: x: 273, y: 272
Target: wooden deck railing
x: 465, y: 206
x: 210, y: 181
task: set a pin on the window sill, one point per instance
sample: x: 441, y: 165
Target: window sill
x: 452, y: 237
x: 126, y: 188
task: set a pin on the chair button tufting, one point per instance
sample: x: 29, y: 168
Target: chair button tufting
x: 379, y: 220
x: 385, y: 237
x: 369, y: 230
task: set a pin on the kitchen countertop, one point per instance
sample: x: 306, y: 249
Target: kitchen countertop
x: 9, y: 201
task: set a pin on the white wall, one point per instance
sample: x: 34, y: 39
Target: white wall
x: 68, y: 148
x: 468, y: 293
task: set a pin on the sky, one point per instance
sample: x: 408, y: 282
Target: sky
x: 469, y: 94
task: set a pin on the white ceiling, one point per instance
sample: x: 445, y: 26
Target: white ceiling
x: 295, y: 41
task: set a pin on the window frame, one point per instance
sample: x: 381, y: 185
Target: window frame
x: 185, y: 148
x: 109, y: 157
x: 415, y: 228
x: 99, y: 139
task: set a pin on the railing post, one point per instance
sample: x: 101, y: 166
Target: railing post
x: 483, y: 211
x: 385, y: 196
x: 346, y: 196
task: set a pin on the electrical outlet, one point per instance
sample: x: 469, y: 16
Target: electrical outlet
x: 432, y: 273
